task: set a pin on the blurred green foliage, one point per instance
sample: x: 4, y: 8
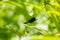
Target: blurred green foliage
x: 13, y: 14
